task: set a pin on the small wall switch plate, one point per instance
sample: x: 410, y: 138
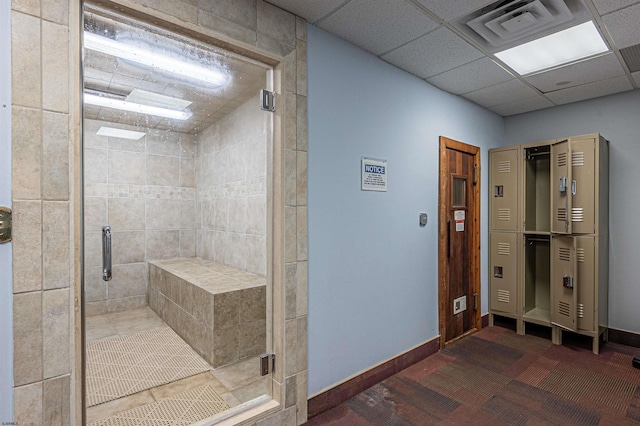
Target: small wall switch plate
x: 459, y: 305
x: 423, y: 219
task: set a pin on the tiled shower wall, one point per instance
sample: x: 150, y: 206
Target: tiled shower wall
x: 45, y: 250
x: 144, y: 190
x: 43, y: 227
x: 231, y: 188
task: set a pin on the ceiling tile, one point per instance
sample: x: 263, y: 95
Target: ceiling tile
x: 607, y: 6
x: 378, y: 25
x: 498, y: 94
x: 623, y: 26
x: 590, y: 90
x: 451, y: 9
x: 432, y: 54
x: 636, y: 76
x: 601, y: 68
x: 472, y: 76
x: 311, y: 10
x: 521, y: 105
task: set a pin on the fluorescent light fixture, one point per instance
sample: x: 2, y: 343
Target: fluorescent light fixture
x: 143, y: 97
x: 153, y: 59
x: 119, y: 133
x: 107, y: 102
x: 556, y: 49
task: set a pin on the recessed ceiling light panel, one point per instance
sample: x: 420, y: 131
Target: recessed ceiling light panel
x: 108, y: 102
x: 564, y: 47
x: 119, y: 133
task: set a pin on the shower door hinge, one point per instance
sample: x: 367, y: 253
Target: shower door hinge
x: 267, y: 364
x: 267, y: 100
x: 5, y: 224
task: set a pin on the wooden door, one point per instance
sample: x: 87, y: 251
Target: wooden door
x: 459, y: 242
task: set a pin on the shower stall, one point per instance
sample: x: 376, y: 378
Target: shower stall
x: 177, y: 183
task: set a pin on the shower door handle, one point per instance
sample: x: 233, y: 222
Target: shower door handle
x: 106, y: 253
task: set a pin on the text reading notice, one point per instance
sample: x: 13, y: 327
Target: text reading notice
x: 374, y: 175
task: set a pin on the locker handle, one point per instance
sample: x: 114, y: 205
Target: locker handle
x: 562, y: 185
x: 573, y: 187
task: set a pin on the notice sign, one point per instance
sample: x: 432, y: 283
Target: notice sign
x: 374, y: 175
x: 459, y: 216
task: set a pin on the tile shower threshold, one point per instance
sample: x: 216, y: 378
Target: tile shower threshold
x: 247, y: 412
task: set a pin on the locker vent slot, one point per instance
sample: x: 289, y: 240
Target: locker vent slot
x: 504, y: 296
x: 577, y: 214
x: 504, y: 166
x: 564, y: 308
x: 577, y: 159
x: 564, y: 254
x: 504, y: 214
x: 562, y: 214
x: 504, y: 249
x: 580, y: 255
x: 580, y: 310
x: 562, y: 159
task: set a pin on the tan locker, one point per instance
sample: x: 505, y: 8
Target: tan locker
x: 564, y: 282
x: 586, y: 272
x: 536, y: 187
x: 561, y: 184
x: 503, y: 272
x: 562, y: 268
x: 503, y: 165
x: 583, y: 171
x: 536, y: 279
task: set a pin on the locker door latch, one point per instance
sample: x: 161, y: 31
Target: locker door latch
x: 562, y: 186
x: 567, y: 282
x: 574, y: 188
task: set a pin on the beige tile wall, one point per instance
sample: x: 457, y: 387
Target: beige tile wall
x: 43, y: 72
x: 144, y: 190
x: 231, y: 173
x: 42, y: 260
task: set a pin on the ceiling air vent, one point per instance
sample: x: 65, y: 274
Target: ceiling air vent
x: 508, y: 23
x: 631, y: 56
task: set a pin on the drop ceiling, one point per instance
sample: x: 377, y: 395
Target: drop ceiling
x: 432, y: 40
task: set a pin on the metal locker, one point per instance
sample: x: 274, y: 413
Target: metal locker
x: 586, y: 273
x: 561, y: 187
x: 535, y: 195
x: 503, y: 272
x: 564, y: 282
x: 583, y: 170
x: 503, y: 165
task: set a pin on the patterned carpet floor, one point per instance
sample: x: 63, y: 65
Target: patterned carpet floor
x: 496, y: 377
x: 122, y: 366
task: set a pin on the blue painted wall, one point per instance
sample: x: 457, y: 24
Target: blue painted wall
x: 6, y: 286
x: 617, y: 118
x: 373, y: 271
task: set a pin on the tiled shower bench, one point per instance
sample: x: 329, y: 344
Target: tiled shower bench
x: 218, y: 310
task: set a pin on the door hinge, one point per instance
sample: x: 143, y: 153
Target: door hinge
x: 267, y: 100
x: 475, y: 174
x: 5, y: 224
x: 475, y: 301
x: 267, y: 364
